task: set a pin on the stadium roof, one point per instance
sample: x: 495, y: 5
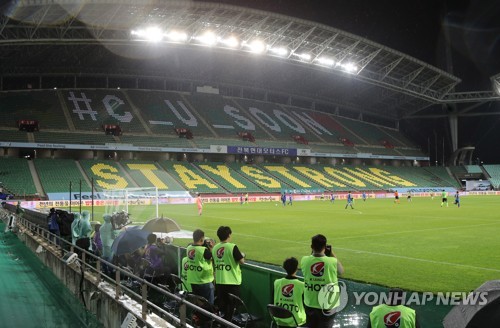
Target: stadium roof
x: 313, y: 61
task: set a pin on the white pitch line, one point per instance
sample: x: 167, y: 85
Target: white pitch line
x: 420, y: 260
x: 420, y: 230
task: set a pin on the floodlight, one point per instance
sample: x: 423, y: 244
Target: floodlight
x: 280, y: 51
x: 257, y: 46
x: 304, y: 56
x: 350, y: 67
x: 176, y: 36
x: 153, y: 34
x: 325, y: 61
x: 208, y: 38
x: 231, y: 42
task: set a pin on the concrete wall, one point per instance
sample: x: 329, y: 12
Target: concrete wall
x: 107, y: 310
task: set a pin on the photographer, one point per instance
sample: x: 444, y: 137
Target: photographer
x: 200, y: 273
x: 319, y: 269
x: 227, y: 259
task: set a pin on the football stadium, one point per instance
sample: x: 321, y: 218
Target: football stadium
x: 123, y: 120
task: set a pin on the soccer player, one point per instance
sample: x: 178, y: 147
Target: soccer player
x: 246, y: 198
x: 283, y: 199
x: 396, y: 197
x: 457, y: 199
x: 444, y: 198
x: 332, y: 198
x: 350, y: 200
x: 199, y: 203
x: 364, y: 196
x: 290, y: 199
x: 432, y: 195
x: 408, y: 198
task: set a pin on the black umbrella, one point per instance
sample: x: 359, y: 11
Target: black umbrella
x: 164, y: 225
x: 484, y: 312
x: 130, y: 240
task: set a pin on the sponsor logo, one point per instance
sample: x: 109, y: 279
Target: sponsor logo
x: 392, y: 319
x: 318, y: 269
x: 220, y: 252
x: 186, y: 266
x: 191, y: 254
x: 287, y: 291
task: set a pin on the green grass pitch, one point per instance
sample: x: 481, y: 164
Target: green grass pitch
x: 416, y: 246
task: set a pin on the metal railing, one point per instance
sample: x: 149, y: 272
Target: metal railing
x: 91, y: 266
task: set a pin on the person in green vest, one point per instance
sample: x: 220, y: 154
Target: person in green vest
x: 444, y: 198
x: 184, y: 269
x: 200, y: 273
x: 320, y: 270
x: 393, y: 314
x: 227, y: 259
x: 289, y: 294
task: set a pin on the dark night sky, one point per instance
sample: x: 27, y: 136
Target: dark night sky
x: 418, y: 28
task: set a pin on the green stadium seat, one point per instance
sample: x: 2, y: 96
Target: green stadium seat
x: 191, y: 178
x: 228, y: 178
x: 56, y: 174
x: 15, y: 175
x: 42, y: 106
x: 148, y: 174
x: 91, y: 109
x: 107, y: 174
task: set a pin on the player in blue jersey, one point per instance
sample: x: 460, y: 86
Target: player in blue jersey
x: 350, y: 200
x: 364, y: 196
x: 457, y: 199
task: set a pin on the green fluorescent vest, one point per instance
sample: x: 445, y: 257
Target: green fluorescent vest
x: 200, y: 270
x: 397, y: 316
x: 288, y: 294
x: 227, y: 270
x: 318, y: 271
x: 184, y: 270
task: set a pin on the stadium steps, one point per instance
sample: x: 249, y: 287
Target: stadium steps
x: 257, y: 123
x: 137, y: 113
x: 486, y: 173
x: 210, y: 178
x: 238, y: 168
x: 350, y: 130
x: 198, y: 116
x: 13, y: 135
x: 267, y: 167
x: 84, y: 175
x: 184, y: 167
x: 158, y: 178
x: 65, y: 110
x: 306, y: 126
x: 36, y: 178
x: 56, y: 174
x: 494, y: 172
x: 248, y: 186
x: 15, y: 175
x: 127, y: 174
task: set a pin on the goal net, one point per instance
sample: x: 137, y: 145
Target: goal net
x: 138, y: 204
